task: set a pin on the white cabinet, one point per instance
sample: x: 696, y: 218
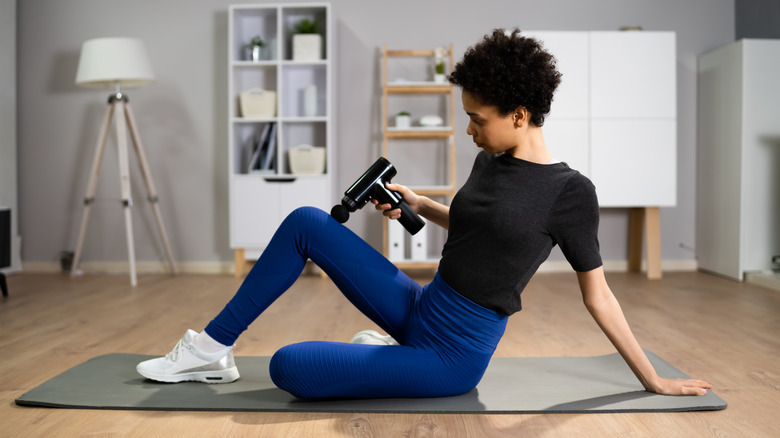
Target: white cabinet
x: 738, y: 162
x: 263, y: 188
x: 614, y: 115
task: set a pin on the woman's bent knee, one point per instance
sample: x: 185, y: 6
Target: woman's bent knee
x: 285, y: 374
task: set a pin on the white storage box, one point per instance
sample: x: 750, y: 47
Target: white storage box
x: 307, y: 160
x: 258, y: 103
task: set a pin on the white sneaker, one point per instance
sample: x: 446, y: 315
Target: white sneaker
x: 187, y: 363
x: 372, y: 337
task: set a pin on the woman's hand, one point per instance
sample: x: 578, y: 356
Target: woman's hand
x: 411, y: 198
x: 680, y: 387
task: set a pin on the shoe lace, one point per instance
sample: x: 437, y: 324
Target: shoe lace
x: 174, y: 355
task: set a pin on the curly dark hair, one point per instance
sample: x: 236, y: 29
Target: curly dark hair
x: 508, y: 70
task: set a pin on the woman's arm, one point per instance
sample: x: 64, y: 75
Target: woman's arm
x: 605, y: 309
x: 424, y: 206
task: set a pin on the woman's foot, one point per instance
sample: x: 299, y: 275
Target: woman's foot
x: 372, y: 337
x: 187, y: 363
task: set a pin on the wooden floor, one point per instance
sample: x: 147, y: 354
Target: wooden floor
x: 712, y: 328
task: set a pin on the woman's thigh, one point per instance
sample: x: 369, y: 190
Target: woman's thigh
x: 367, y: 279
x: 311, y: 370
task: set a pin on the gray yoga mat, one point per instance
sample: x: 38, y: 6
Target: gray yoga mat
x: 510, y: 386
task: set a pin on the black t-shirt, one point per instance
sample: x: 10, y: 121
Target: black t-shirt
x: 505, y: 221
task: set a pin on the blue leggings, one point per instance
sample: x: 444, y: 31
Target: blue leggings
x: 446, y: 340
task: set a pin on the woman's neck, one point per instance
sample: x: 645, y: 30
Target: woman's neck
x: 531, y: 147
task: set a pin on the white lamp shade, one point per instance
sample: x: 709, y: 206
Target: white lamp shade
x: 105, y: 62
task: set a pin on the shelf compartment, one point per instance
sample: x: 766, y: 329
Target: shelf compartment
x: 292, y: 15
x: 252, y: 75
x: 248, y: 22
x: 297, y: 133
x: 296, y: 78
x: 246, y: 137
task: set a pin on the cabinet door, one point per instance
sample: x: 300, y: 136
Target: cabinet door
x: 633, y: 162
x: 567, y: 127
x: 260, y: 205
x: 255, y: 212
x: 568, y: 140
x: 310, y: 191
x: 570, y: 50
x: 633, y: 75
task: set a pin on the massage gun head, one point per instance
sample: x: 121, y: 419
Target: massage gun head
x: 361, y: 192
x: 340, y: 213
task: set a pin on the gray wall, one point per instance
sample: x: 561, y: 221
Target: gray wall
x: 8, y: 167
x: 757, y: 19
x: 183, y: 115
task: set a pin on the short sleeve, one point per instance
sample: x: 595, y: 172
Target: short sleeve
x: 574, y: 223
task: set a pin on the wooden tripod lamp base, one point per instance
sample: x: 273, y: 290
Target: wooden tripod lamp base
x: 119, y: 105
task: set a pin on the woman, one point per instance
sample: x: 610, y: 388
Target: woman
x: 516, y: 205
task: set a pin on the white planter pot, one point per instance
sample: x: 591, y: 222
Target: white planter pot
x: 403, y: 122
x: 307, y: 47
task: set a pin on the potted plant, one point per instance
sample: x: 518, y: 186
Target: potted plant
x: 438, y: 67
x: 307, y: 43
x: 254, y: 48
x: 403, y: 120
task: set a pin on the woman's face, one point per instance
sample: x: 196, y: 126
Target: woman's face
x: 490, y: 130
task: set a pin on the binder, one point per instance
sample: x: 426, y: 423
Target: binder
x: 420, y: 245
x: 395, y: 241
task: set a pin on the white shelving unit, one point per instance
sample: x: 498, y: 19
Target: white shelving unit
x: 260, y: 200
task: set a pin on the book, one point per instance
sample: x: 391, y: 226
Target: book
x: 269, y: 146
x: 257, y: 155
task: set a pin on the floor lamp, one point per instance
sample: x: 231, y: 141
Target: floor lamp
x: 115, y: 63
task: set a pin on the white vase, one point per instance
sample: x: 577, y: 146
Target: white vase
x: 439, y: 78
x: 310, y: 101
x: 307, y: 47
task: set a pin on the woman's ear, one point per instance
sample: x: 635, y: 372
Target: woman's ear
x: 521, y: 116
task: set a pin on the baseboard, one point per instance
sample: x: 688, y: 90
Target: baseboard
x: 216, y: 268
x: 674, y: 265
x: 225, y: 268
x: 16, y: 260
x: 768, y: 279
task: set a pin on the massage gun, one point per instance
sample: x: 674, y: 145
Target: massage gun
x: 372, y: 186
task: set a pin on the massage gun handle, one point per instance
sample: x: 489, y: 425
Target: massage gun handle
x: 409, y: 219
